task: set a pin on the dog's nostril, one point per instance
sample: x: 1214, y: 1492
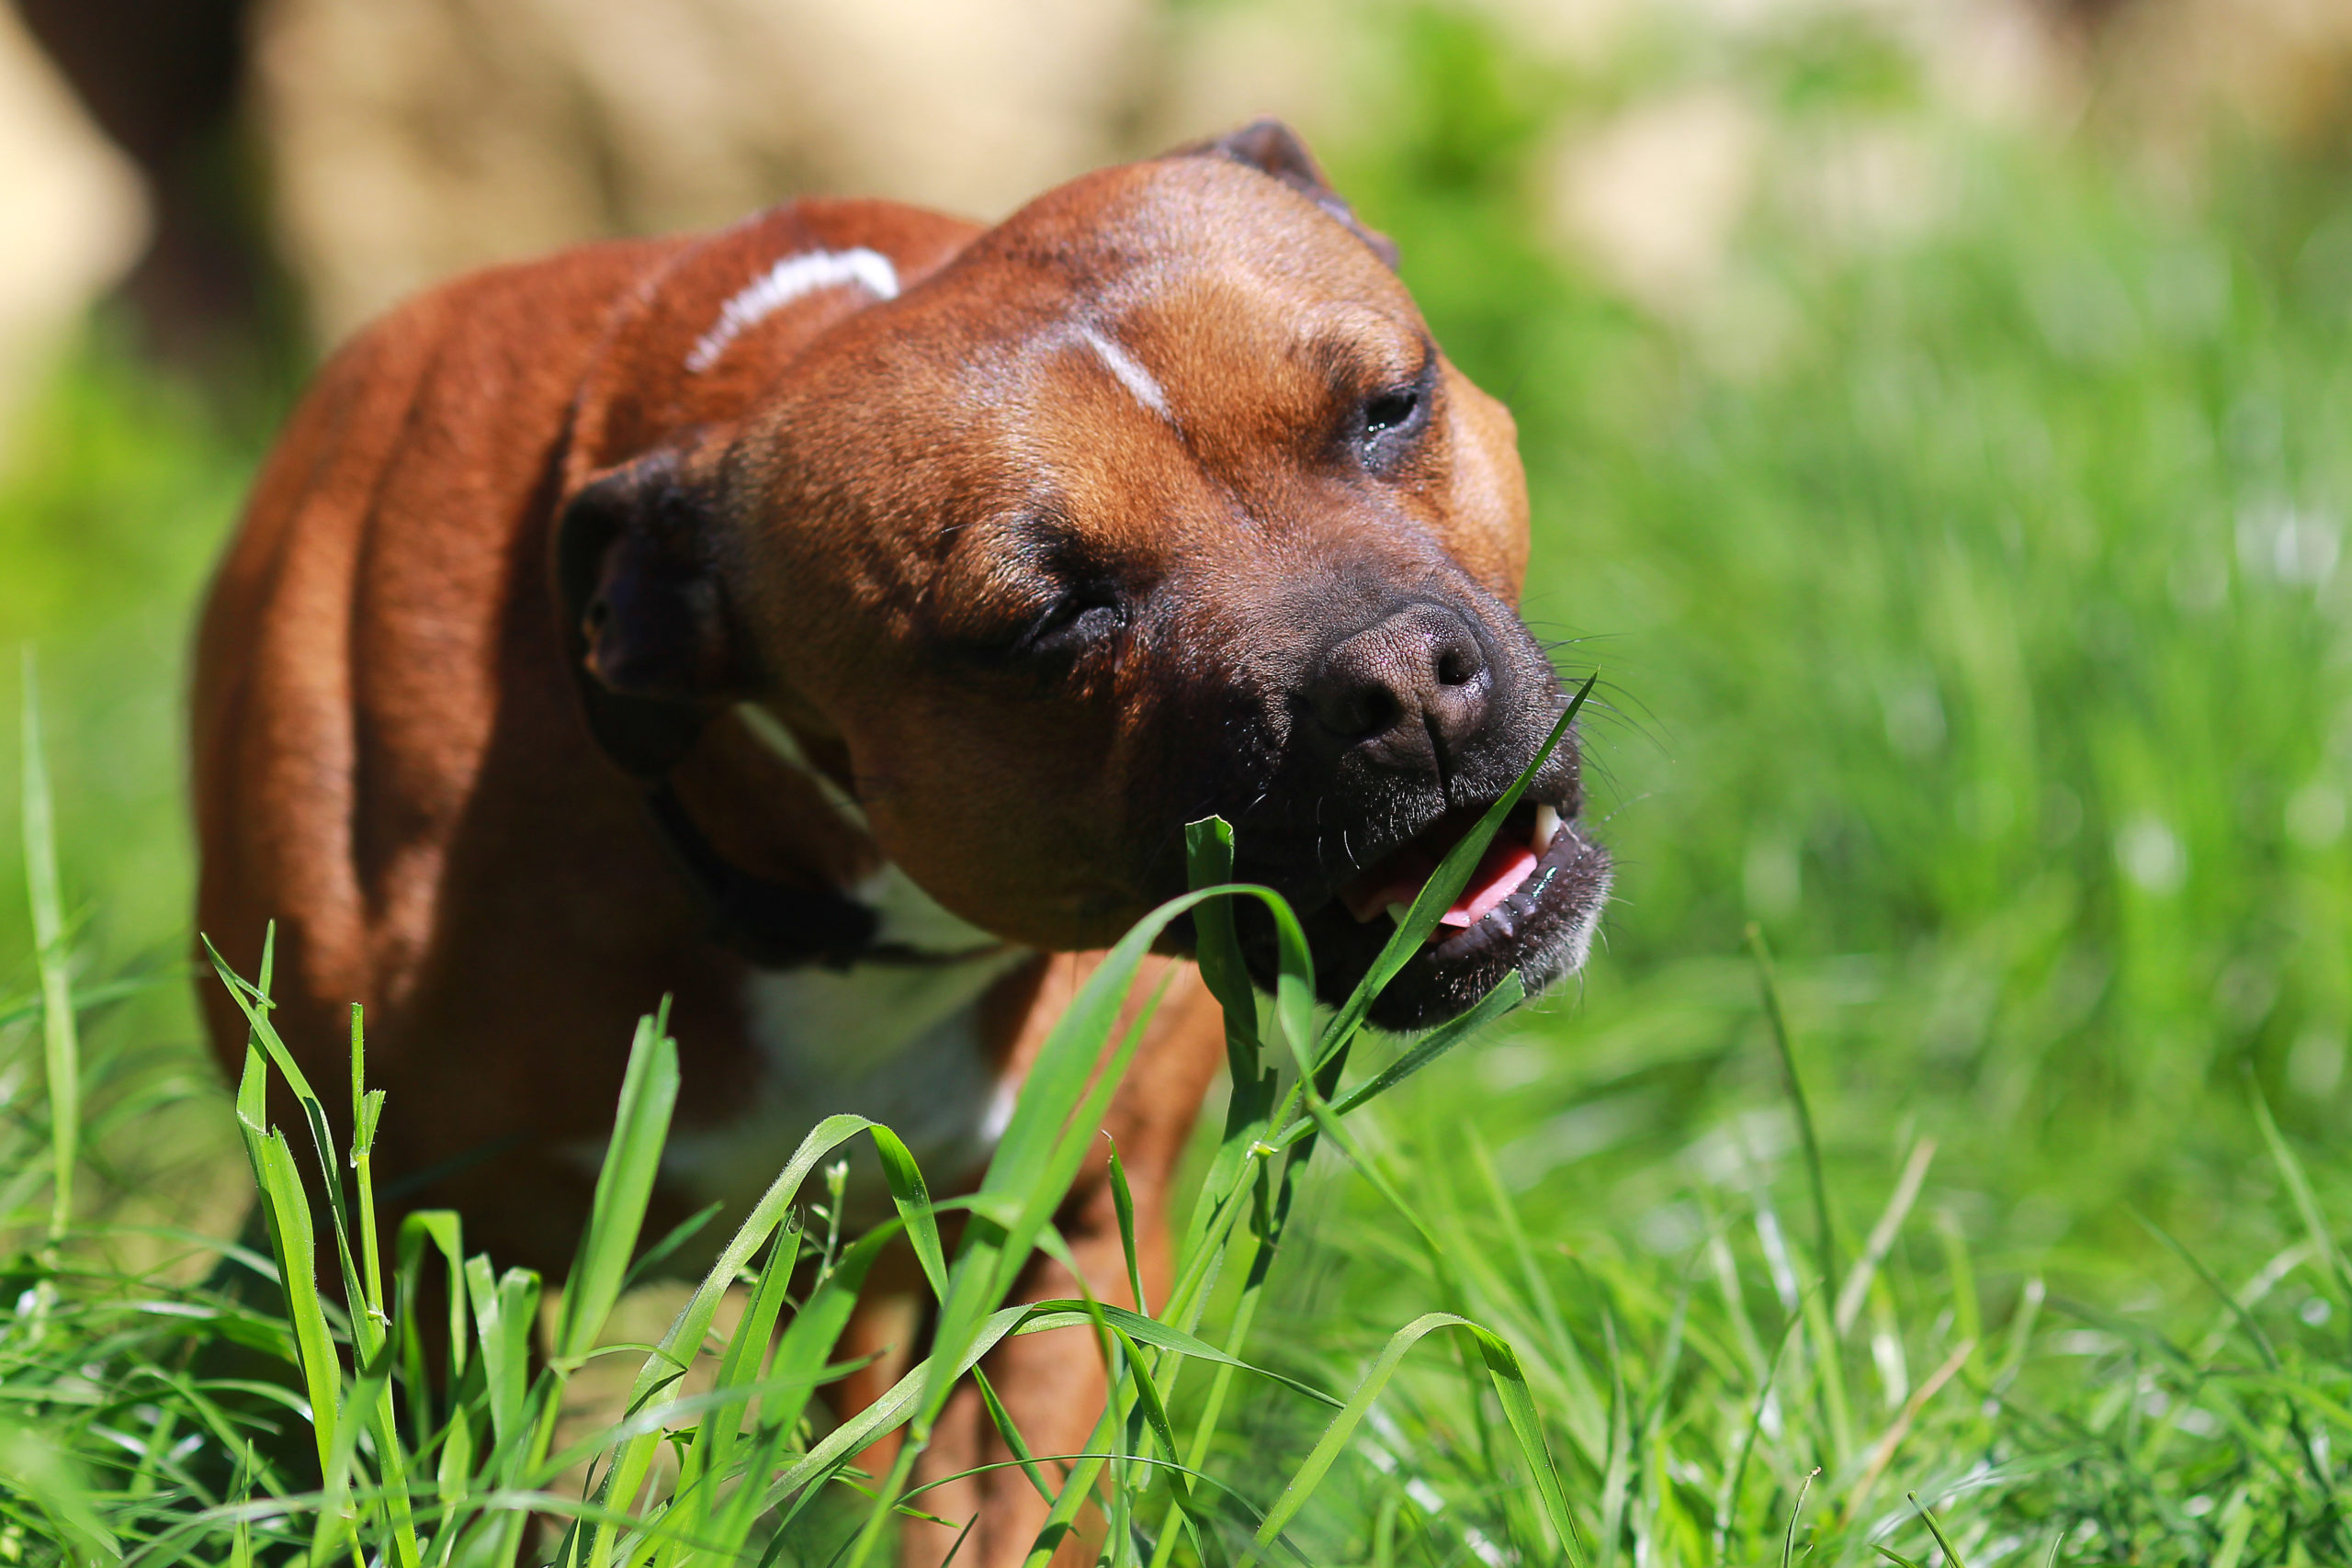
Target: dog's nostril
x: 1379, y: 711
x: 1353, y: 709
x: 1458, y: 666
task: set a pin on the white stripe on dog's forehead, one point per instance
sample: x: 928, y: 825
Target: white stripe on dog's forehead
x: 782, y: 283
x: 1129, y: 370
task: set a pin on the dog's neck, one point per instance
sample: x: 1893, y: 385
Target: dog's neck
x: 909, y: 919
x: 883, y: 920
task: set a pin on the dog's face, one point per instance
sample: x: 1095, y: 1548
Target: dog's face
x: 1160, y: 501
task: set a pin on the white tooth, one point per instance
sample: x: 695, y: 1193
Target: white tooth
x: 1547, y: 827
x: 1397, y: 911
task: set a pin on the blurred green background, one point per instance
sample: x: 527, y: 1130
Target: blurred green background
x: 1955, y: 523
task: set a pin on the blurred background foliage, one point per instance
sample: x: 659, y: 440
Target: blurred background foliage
x: 1935, y: 416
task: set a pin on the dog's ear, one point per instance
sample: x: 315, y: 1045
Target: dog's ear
x: 1273, y: 149
x: 642, y: 606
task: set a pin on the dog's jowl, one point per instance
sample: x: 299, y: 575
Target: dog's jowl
x: 830, y: 624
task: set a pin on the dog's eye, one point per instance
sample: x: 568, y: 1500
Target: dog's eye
x: 1079, y: 618
x: 1391, y: 410
x: 1388, y: 422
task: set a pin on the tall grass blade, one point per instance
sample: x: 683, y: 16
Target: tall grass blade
x: 1775, y: 1013
x: 1014, y: 1443
x: 895, y: 1406
x: 633, y: 1462
x: 1123, y: 1207
x: 1882, y: 1237
x: 2315, y: 1454
x: 254, y: 1004
x: 61, y: 1037
x: 1952, y: 1558
x: 281, y: 1190
x: 716, y: 1440
x: 367, y: 1110
x: 1206, y: 1541
x: 1208, y: 862
x: 911, y: 1196
x: 1789, y: 1540
x: 505, y: 1312
x: 624, y: 1187
x: 1031, y: 1173
x: 1616, y: 1480
x: 2299, y: 1187
x: 440, y: 1230
x: 33, y: 1467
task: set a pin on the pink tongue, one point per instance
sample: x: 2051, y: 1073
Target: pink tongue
x: 1499, y: 873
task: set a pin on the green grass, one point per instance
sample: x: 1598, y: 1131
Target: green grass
x: 1970, y: 624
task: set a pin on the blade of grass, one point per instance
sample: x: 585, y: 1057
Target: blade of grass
x: 441, y: 1229
x: 1826, y: 1238
x: 1952, y: 1558
x: 60, y: 1040
x: 911, y: 1196
x: 254, y: 1004
x: 367, y: 1107
x: 1882, y: 1235
x: 1123, y: 1205
x: 669, y: 1361
x: 624, y: 1188
x: 1789, y: 1540
x: 1031, y: 1177
x: 2299, y: 1187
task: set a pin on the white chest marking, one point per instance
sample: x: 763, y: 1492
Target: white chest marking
x: 786, y: 281
x: 1129, y: 370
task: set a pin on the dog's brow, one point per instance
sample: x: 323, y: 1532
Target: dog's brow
x: 1129, y: 370
x: 782, y: 283
x: 1348, y: 361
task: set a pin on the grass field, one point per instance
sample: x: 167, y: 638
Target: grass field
x: 1971, y: 625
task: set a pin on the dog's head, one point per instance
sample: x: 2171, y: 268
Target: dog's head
x: 1158, y: 501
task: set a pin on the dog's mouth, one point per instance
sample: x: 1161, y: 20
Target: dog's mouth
x: 1532, y: 904
x: 1512, y: 859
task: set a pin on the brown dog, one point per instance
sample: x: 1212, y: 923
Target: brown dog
x: 824, y: 621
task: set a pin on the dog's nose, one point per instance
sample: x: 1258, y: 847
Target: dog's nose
x: 1408, y: 692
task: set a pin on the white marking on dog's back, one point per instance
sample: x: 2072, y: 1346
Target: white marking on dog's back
x: 1129, y: 370
x: 782, y: 283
